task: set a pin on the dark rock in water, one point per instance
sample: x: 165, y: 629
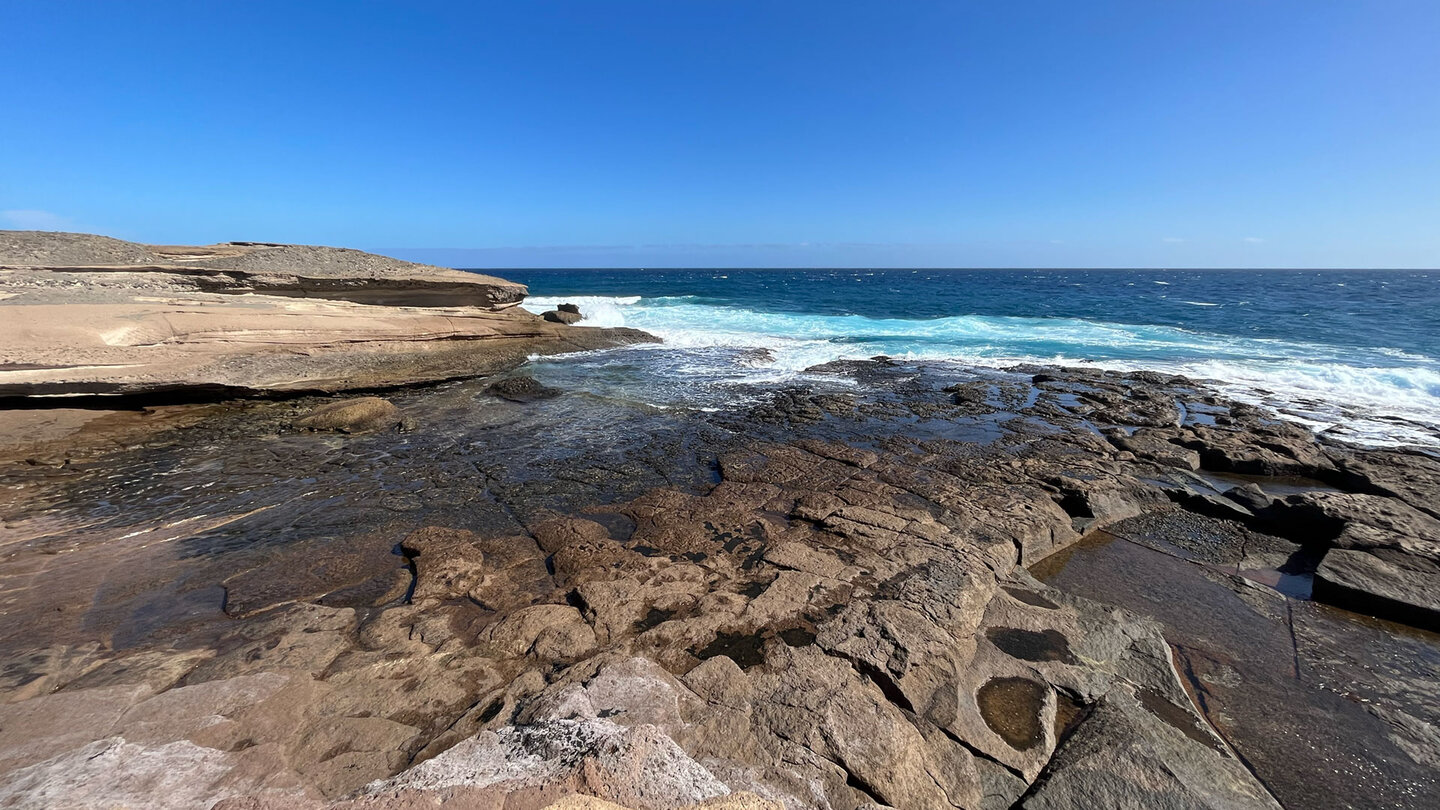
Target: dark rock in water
x: 522, y: 389
x: 359, y: 415
x: 562, y: 316
x: 575, y: 308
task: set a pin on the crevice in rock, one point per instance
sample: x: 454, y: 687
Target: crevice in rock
x: 1294, y: 642
x: 409, y: 556
x: 853, y: 780
x: 1197, y: 694
x: 976, y: 752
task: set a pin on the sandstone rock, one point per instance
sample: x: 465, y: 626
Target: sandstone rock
x: 117, y: 774
x: 1123, y: 755
x: 1264, y: 448
x: 243, y: 319
x: 1384, y: 582
x: 255, y: 267
x: 1413, y: 477
x: 571, y: 308
x: 357, y: 415
x: 1156, y: 445
x: 637, y: 767
x: 549, y: 632
x: 823, y: 625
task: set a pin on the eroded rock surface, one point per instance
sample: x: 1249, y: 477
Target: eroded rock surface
x: 818, y: 601
x: 86, y: 315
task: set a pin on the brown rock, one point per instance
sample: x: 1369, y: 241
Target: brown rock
x: 562, y: 316
x: 359, y: 415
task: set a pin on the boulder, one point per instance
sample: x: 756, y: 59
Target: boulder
x: 522, y: 389
x: 359, y: 415
x: 562, y: 316
x: 571, y: 308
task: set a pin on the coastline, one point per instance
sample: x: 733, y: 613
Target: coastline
x: 891, y: 592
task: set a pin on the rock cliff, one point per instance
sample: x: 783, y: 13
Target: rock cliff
x: 89, y: 315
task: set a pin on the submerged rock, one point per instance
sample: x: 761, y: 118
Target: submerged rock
x: 522, y: 389
x: 352, y: 416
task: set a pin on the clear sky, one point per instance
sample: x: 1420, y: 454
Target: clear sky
x: 1240, y: 133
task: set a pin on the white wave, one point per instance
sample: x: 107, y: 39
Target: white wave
x: 1201, y: 303
x: 1375, y: 396
x: 597, y: 310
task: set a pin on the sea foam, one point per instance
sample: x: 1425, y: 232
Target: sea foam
x: 1377, y: 397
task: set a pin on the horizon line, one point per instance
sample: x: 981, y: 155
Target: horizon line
x: 966, y: 268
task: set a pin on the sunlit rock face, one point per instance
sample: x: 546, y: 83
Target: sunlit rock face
x: 87, y: 315
x: 881, y: 595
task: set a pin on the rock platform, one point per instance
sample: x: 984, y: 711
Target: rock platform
x: 84, y: 315
x: 921, y: 586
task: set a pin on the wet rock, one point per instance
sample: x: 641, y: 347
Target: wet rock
x: 1122, y: 755
x: 571, y: 308
x: 1156, y: 445
x: 563, y: 316
x: 1384, y: 582
x: 522, y: 389
x: 1012, y: 708
x: 359, y: 415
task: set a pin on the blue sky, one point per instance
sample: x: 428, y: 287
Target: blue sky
x: 1228, y: 133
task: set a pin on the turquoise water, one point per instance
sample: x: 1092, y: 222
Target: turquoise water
x: 1356, y: 352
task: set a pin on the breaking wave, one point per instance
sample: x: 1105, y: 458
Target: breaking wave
x: 1373, y: 396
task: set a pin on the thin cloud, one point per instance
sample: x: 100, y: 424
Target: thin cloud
x: 1254, y: 240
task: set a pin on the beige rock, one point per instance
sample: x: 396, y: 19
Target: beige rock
x: 250, y: 318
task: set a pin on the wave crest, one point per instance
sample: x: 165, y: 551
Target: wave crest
x: 1364, y: 392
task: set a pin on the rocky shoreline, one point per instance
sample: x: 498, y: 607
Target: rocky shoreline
x: 89, y: 316
x: 921, y: 586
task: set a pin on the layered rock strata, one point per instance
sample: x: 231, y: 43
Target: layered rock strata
x: 87, y: 315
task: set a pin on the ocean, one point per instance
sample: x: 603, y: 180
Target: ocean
x: 1353, y: 352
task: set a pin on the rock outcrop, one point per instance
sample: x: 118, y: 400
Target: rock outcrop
x: 824, y: 599
x: 87, y: 315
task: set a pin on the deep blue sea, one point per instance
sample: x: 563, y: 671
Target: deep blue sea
x: 1357, y: 352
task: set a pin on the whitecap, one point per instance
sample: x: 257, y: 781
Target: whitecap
x: 1361, y: 392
